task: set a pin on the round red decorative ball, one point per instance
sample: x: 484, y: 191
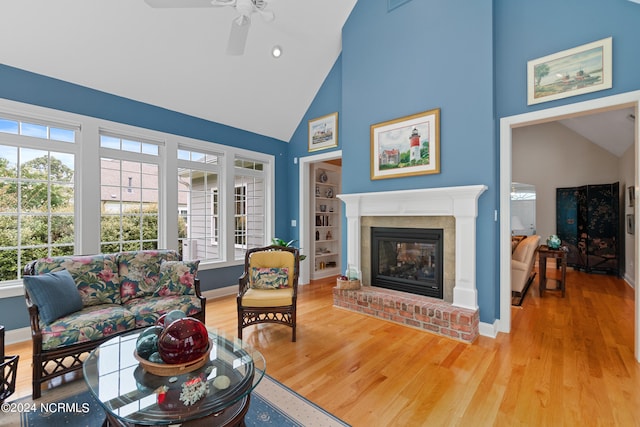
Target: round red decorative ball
x: 183, y: 341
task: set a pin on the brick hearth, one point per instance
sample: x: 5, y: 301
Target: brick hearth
x: 417, y: 311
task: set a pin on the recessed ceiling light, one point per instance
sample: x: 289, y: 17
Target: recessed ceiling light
x: 276, y: 52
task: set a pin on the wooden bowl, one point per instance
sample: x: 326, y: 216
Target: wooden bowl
x: 170, y: 370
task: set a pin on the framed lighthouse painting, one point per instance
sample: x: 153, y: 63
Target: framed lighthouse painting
x: 406, y: 146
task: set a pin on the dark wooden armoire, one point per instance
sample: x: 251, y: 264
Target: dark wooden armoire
x: 587, y: 222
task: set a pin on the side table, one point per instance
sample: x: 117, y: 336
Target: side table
x: 560, y: 255
x: 8, y: 370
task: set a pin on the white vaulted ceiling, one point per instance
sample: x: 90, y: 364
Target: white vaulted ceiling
x: 176, y: 59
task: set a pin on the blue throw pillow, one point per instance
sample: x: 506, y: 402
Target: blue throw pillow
x: 55, y: 294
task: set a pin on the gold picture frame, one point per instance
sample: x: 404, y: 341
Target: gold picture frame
x: 406, y: 146
x: 571, y: 72
x: 323, y: 132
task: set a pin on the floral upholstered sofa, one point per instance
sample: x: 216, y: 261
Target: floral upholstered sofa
x: 77, y: 302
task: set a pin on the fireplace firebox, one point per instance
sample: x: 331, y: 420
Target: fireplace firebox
x: 408, y: 260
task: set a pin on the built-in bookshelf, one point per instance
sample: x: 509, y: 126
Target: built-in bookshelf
x: 326, y: 220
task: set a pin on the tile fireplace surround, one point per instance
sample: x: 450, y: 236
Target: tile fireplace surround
x: 458, y: 318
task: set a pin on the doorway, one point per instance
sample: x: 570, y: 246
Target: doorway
x: 304, y: 211
x: 507, y: 124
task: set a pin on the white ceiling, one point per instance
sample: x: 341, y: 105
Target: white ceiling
x: 612, y: 130
x: 175, y: 58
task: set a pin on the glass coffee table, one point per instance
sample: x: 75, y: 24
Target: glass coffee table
x: 133, y: 397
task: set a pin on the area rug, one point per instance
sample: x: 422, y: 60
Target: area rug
x: 516, y: 300
x: 272, y: 404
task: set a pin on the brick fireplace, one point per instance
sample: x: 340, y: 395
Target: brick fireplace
x: 452, y: 208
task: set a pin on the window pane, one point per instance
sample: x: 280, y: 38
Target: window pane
x: 130, y: 228
x: 63, y: 135
x: 29, y: 129
x: 9, y: 126
x: 34, y: 230
x: 62, y: 229
x: 8, y: 264
x: 109, y: 142
x: 8, y: 231
x: 110, y: 248
x: 149, y: 149
x: 61, y: 250
x: 110, y: 228
x: 133, y: 146
x: 197, y: 230
x: 8, y: 197
x: 149, y: 227
x: 8, y: 162
x: 61, y: 167
x: 130, y: 209
x: 150, y: 245
x: 34, y: 196
x: 250, y: 214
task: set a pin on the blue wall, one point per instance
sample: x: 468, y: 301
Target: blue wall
x: 328, y: 100
x: 526, y: 30
x: 420, y: 56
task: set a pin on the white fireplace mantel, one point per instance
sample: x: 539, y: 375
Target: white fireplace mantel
x: 459, y: 202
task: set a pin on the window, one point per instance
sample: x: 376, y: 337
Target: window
x: 42, y: 131
x: 129, y: 195
x: 249, y: 205
x: 72, y: 184
x: 36, y: 207
x: 198, y: 196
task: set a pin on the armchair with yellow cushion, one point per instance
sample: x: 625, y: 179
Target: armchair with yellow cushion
x: 268, y: 287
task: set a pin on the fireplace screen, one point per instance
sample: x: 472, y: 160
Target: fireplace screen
x: 408, y: 260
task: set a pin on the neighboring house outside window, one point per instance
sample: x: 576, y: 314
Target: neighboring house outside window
x: 129, y: 189
x: 250, y: 205
x: 198, y: 181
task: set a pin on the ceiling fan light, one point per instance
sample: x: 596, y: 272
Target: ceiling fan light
x: 276, y: 52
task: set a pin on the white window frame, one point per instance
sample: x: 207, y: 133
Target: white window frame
x: 142, y: 158
x: 87, y: 153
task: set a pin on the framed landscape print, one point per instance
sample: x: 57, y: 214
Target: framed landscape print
x: 406, y: 146
x: 576, y: 71
x: 323, y: 132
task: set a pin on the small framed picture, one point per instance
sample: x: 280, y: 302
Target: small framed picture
x: 632, y: 196
x: 631, y: 223
x: 323, y: 132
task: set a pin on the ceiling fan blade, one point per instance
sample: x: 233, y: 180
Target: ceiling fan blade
x: 238, y: 36
x: 189, y: 3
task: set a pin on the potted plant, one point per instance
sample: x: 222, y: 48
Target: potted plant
x: 280, y: 242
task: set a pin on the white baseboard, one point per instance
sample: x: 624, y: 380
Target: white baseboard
x: 630, y: 281
x: 17, y: 335
x: 220, y: 292
x: 489, y: 329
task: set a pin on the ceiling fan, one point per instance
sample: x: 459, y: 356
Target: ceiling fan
x: 239, y: 26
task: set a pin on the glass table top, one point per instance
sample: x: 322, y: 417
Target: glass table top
x: 133, y: 395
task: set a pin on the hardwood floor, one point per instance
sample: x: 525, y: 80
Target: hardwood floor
x: 568, y: 361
